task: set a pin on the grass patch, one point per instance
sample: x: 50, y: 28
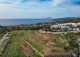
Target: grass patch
x: 22, y: 34
x: 34, y: 54
x: 20, y: 38
x: 33, y: 32
x: 14, y: 50
x: 60, y: 45
x: 45, y: 41
x: 57, y: 35
x: 14, y: 33
x: 37, y: 46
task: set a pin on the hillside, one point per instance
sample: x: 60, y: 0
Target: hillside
x: 76, y: 20
x: 66, y: 20
x: 26, y: 43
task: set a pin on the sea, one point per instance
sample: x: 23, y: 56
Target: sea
x: 8, y: 22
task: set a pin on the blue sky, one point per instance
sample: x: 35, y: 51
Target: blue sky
x: 39, y: 8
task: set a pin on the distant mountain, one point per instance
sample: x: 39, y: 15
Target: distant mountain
x: 49, y: 18
x: 75, y: 20
x: 64, y: 19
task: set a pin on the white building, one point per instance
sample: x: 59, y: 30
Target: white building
x: 55, y: 26
x: 65, y: 26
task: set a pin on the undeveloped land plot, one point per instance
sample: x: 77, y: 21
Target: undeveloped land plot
x: 50, y: 44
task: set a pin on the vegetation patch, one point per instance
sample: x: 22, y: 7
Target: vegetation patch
x: 45, y: 41
x: 21, y: 34
x: 33, y: 32
x: 42, y: 42
x: 1, y: 35
x: 17, y: 40
x: 34, y: 54
x: 14, y: 50
x: 57, y: 35
x: 37, y: 46
x: 60, y: 45
x: 14, y: 33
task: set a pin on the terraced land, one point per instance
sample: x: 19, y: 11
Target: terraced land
x: 17, y: 47
x: 34, y: 44
x: 47, y: 43
x: 3, y: 42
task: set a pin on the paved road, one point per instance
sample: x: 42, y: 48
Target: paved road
x: 3, y: 41
x: 61, y: 32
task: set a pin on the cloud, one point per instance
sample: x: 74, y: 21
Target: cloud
x: 39, y: 8
x: 57, y: 2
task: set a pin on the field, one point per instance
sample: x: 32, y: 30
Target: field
x: 46, y: 44
x: 12, y: 48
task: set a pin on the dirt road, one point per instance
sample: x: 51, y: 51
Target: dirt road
x: 3, y: 41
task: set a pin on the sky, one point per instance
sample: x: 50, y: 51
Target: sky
x: 39, y: 8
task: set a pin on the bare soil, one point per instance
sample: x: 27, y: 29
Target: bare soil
x: 25, y: 49
x: 48, y: 47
